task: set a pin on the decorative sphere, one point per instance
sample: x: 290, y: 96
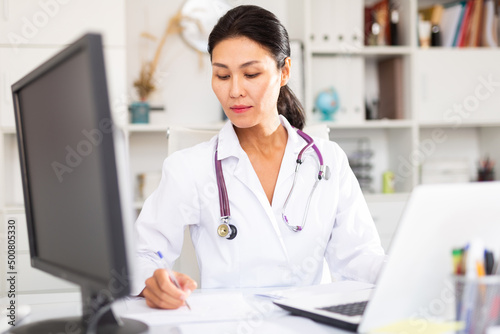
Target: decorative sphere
x: 327, y: 102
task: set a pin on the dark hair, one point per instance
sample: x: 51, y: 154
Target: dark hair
x: 263, y: 27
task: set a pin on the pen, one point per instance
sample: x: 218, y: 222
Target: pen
x: 171, y: 275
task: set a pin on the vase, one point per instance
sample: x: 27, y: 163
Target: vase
x: 140, y: 112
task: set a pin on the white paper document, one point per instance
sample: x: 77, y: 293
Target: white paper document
x: 226, y: 306
x: 298, y: 292
x: 205, y: 307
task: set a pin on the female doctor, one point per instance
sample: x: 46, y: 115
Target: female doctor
x: 280, y: 218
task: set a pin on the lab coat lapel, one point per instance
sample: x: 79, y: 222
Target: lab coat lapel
x: 245, y: 173
x: 287, y: 165
x: 290, y: 157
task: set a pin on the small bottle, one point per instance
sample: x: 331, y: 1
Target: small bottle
x: 388, y: 182
x: 394, y: 14
x: 437, y: 13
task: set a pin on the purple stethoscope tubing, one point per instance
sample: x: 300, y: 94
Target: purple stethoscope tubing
x: 225, y: 211
x: 323, y: 173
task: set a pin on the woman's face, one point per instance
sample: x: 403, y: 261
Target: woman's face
x: 247, y: 82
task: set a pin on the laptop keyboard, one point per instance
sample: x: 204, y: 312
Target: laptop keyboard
x: 350, y: 310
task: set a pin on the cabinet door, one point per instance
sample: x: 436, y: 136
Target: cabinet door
x: 457, y: 86
x: 336, y: 25
x: 56, y: 22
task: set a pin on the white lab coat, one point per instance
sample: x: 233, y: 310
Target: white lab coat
x: 265, y: 252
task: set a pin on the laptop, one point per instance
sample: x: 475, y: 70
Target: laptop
x: 415, y: 283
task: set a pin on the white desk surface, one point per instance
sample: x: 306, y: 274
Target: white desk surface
x: 46, y: 306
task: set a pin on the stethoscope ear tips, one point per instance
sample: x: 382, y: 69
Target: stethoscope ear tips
x: 327, y: 173
x: 324, y: 172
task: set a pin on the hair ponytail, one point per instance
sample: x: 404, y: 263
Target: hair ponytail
x: 263, y: 27
x: 290, y: 107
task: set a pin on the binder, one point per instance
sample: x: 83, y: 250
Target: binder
x: 390, y: 74
x: 489, y: 37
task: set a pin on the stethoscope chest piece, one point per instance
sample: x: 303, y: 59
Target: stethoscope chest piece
x: 227, y: 231
x: 223, y: 230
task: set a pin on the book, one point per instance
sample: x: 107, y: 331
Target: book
x: 390, y: 80
x: 475, y: 24
x: 464, y: 26
x: 489, y: 37
x: 459, y: 25
x: 377, y: 23
x: 449, y: 22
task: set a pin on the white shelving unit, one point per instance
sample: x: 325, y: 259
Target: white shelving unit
x: 435, y: 80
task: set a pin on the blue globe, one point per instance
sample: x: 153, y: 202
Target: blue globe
x: 327, y: 102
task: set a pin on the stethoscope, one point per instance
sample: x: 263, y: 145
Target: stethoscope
x: 229, y: 231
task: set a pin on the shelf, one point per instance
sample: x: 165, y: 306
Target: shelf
x: 137, y: 128
x: 8, y: 130
x: 13, y: 209
x: 151, y: 108
x: 387, y: 50
x: 368, y: 124
x: 463, y: 124
x: 438, y: 49
x: 372, y: 124
x: 369, y: 51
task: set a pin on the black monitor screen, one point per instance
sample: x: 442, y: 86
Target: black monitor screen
x: 61, y: 139
x: 73, y: 200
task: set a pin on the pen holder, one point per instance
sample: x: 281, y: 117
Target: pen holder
x: 486, y: 175
x: 477, y: 303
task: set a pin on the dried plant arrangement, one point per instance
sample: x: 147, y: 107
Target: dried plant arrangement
x: 145, y: 84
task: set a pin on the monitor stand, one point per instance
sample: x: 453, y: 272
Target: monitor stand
x: 97, y: 318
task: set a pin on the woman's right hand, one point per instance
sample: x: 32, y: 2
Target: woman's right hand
x: 161, y: 292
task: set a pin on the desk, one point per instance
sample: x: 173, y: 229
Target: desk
x: 45, y: 306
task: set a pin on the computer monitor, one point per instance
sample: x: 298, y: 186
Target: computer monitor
x: 77, y: 209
